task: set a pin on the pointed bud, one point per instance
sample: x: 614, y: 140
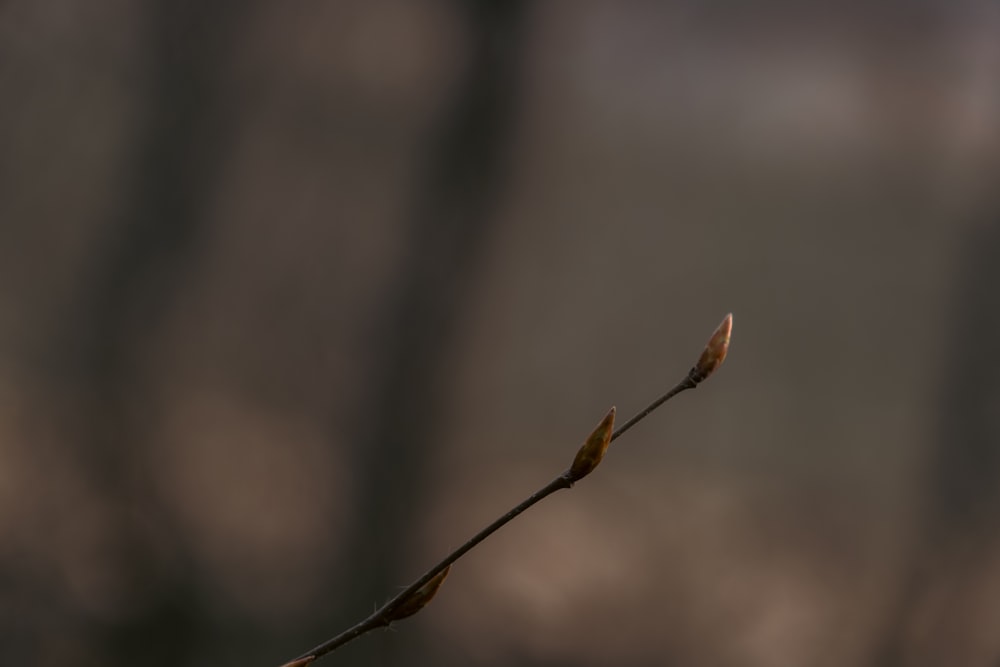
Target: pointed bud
x: 592, y: 451
x: 301, y: 662
x: 419, y: 598
x: 715, y: 351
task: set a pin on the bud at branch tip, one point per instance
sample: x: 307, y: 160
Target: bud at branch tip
x: 715, y: 351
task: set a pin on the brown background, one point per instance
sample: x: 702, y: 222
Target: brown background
x: 296, y: 296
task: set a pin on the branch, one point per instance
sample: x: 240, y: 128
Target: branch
x: 415, y: 596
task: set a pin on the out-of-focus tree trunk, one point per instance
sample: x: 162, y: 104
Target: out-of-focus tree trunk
x: 943, y: 612
x: 183, y: 139
x: 446, y: 234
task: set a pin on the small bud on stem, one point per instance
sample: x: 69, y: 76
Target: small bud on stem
x: 419, y: 598
x: 301, y: 662
x: 593, y: 449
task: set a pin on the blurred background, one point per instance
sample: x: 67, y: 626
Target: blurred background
x: 297, y: 296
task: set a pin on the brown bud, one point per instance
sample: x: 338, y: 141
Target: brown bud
x: 715, y: 351
x: 301, y: 662
x: 593, y: 449
x: 419, y: 598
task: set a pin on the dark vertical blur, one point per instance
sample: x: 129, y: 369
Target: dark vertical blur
x: 183, y: 137
x: 943, y: 613
x: 461, y: 171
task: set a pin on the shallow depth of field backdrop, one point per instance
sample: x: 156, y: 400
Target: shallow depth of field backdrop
x: 296, y: 296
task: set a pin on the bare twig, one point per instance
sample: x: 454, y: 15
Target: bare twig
x: 415, y: 596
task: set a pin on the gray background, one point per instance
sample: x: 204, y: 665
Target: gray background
x: 294, y: 297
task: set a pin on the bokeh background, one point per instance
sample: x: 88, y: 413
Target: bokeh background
x: 296, y: 296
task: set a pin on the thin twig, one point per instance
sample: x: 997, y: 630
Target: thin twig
x: 686, y: 383
x: 382, y: 616
x: 710, y: 359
